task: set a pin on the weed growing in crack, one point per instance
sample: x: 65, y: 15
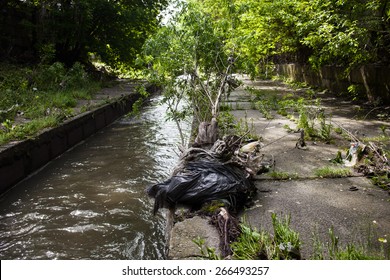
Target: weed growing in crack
x: 333, y: 172
x: 325, y: 129
x: 351, y: 251
x: 311, y: 116
x: 253, y: 244
x: 205, y: 251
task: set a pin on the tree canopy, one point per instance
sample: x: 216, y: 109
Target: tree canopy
x: 69, y: 30
x: 346, y: 33
x: 319, y: 32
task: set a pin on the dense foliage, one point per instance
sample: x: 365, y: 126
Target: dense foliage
x: 319, y: 32
x: 68, y: 31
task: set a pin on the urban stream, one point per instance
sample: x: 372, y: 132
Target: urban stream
x: 91, y: 203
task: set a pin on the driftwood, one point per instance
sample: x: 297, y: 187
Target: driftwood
x: 207, y: 133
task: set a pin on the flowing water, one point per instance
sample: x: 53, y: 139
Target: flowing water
x: 90, y: 203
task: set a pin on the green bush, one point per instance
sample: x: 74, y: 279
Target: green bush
x: 76, y: 76
x: 57, y: 77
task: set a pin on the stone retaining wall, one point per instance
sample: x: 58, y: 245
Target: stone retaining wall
x: 371, y: 80
x: 19, y: 160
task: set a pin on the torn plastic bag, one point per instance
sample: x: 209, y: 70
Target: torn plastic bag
x: 200, y: 182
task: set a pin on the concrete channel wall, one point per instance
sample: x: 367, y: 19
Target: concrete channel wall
x: 19, y: 160
x: 370, y: 80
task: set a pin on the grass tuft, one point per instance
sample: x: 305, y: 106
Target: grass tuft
x: 333, y: 172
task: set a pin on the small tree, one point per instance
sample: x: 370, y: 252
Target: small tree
x: 189, y: 58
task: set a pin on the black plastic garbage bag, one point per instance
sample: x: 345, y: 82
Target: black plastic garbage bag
x: 200, y: 182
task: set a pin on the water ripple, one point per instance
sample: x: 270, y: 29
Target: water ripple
x: 83, y: 228
x: 84, y: 213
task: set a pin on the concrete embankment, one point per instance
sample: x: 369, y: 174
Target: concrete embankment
x: 355, y: 209
x: 20, y: 159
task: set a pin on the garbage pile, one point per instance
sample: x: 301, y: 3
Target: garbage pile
x: 222, y: 173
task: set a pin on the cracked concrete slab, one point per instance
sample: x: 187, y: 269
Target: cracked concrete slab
x: 183, y: 234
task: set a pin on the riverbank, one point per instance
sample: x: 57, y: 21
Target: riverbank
x: 351, y: 205
x: 18, y: 159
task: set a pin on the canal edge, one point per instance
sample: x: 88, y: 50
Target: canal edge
x: 21, y: 159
